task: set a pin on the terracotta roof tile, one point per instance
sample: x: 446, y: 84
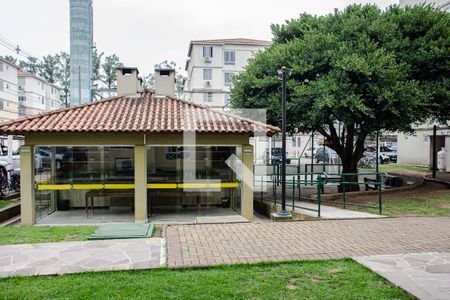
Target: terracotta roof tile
x: 143, y: 113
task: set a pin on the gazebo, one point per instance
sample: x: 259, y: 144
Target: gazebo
x: 140, y: 153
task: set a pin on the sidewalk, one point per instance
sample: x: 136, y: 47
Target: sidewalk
x: 425, y: 275
x: 202, y: 245
x: 75, y: 257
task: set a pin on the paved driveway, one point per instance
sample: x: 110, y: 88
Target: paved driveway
x: 198, y: 245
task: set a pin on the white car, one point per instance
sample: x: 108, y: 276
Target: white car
x: 308, y: 151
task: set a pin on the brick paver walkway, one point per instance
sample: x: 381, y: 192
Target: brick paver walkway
x: 199, y: 245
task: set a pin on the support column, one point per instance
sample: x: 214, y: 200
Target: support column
x: 247, y: 182
x: 27, y: 197
x: 140, y: 184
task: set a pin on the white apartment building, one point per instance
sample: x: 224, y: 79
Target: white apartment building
x: 441, y: 4
x: 8, y: 90
x: 211, y: 66
x: 36, y: 95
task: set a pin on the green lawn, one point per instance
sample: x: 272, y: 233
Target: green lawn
x: 429, y: 205
x: 413, y: 204
x: 400, y: 168
x: 38, y: 234
x: 338, y: 279
x: 5, y: 203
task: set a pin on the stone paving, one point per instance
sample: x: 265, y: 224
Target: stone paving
x: 425, y: 275
x: 200, y: 245
x: 75, y: 257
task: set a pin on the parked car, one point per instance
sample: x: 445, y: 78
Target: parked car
x: 4, y: 165
x: 310, y: 151
x: 326, y: 155
x: 389, y: 152
x: 42, y: 158
x: 383, y: 157
x: 276, y: 157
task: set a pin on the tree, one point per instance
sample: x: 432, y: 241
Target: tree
x: 31, y: 65
x: 96, y: 73
x: 63, y: 77
x: 11, y: 59
x: 363, y: 68
x: 47, y: 68
x: 109, y: 66
x: 149, y: 82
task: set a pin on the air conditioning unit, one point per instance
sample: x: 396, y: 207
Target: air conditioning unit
x: 21, y: 88
x: 207, y: 59
x: 207, y: 83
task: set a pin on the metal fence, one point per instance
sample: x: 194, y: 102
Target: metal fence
x: 306, y: 188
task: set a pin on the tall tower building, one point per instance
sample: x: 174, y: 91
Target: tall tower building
x: 81, y: 44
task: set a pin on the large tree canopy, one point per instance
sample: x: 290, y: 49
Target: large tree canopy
x: 363, y: 68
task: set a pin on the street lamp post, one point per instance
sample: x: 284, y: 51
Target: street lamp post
x: 283, y: 211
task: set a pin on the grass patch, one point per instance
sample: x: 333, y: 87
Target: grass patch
x: 400, y: 168
x: 335, y: 279
x: 39, y: 234
x: 429, y: 204
x: 5, y: 203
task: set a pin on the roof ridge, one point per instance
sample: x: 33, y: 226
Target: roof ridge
x: 225, y: 113
x: 146, y: 104
x: 49, y: 113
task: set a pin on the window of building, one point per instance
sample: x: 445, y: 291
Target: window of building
x: 21, y: 81
x: 228, y: 78
x: 208, y: 97
x: 42, y: 100
x: 1, y: 85
x: 227, y: 99
x: 207, y: 74
x: 22, y: 98
x: 42, y: 86
x: 229, y: 57
x: 426, y: 138
x: 207, y: 51
x: 1, y: 66
x: 1, y: 104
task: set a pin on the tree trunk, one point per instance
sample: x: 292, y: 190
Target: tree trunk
x: 351, y: 169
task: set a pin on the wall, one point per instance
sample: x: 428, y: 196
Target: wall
x: 34, y: 90
x: 437, y: 3
x: 9, y: 92
x: 195, y: 85
x: 416, y: 148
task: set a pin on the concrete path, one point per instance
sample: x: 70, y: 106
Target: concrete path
x: 200, y: 245
x: 425, y: 275
x: 332, y: 213
x: 75, y: 257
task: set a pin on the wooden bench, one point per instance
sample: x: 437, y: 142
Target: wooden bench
x: 335, y: 179
x: 90, y: 195
x: 371, y: 184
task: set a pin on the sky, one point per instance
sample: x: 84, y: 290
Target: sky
x: 146, y: 32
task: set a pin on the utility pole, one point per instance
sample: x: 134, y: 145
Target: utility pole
x: 283, y: 214
x: 79, y: 84
x: 434, y: 150
x: 283, y: 143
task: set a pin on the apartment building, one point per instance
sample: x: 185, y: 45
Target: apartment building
x: 36, y: 95
x: 441, y: 4
x: 211, y: 66
x: 8, y: 90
